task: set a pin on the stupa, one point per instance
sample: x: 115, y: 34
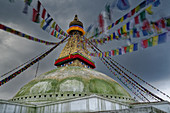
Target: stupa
x: 74, y: 77
x: 74, y: 86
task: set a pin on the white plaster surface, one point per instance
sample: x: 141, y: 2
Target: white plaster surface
x: 41, y: 87
x: 72, y: 85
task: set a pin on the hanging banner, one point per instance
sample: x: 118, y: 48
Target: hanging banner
x: 133, y: 11
x: 8, y: 29
x: 10, y: 77
x: 47, y: 23
x: 150, y: 42
x: 126, y: 32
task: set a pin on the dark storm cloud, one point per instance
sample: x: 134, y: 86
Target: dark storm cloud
x: 152, y: 64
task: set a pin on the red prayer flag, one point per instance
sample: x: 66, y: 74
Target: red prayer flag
x: 146, y: 25
x: 132, y: 12
x: 43, y: 13
x: 137, y: 19
x: 113, y: 52
x: 138, y: 34
x: 119, y: 32
x: 34, y: 15
x: 56, y: 27
x: 1, y: 26
x: 52, y: 33
x: 145, y: 43
x: 162, y: 22
x: 125, y: 48
x: 101, y: 22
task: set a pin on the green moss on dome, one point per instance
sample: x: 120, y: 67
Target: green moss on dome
x: 86, y: 81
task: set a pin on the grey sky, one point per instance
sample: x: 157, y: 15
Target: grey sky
x: 152, y: 64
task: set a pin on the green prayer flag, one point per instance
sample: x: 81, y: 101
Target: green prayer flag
x: 168, y: 22
x: 142, y: 15
x: 149, y: 42
x: 128, y: 49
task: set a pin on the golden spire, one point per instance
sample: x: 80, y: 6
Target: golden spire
x: 76, y: 25
x: 75, y: 49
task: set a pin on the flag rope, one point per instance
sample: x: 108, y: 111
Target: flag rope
x: 10, y: 77
x: 90, y: 43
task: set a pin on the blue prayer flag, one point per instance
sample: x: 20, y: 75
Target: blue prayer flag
x: 128, y: 26
x: 145, y: 33
x: 162, y: 38
x: 135, y: 47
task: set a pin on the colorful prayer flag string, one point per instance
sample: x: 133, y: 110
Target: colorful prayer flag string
x: 150, y: 42
x: 10, y: 77
x: 13, y: 31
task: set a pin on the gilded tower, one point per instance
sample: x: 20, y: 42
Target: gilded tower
x: 75, y: 52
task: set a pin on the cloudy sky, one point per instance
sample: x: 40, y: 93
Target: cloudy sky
x: 151, y: 64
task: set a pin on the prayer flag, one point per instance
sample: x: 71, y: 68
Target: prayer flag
x: 137, y: 19
x: 135, y: 47
x: 145, y: 33
x: 125, y: 16
x: 101, y: 22
x: 117, y: 22
x: 52, y: 33
x: 168, y: 22
x: 149, y: 42
x: 132, y: 12
x: 121, y: 19
x: 113, y: 52
x: 117, y: 51
x: 128, y: 26
x: 149, y: 10
x: 124, y: 28
x: 127, y: 48
x: 162, y: 38
x: 53, y: 25
x: 120, y: 51
x: 42, y: 23
x: 34, y: 14
x: 89, y: 28
x: 137, y: 9
x: 43, y: 13
x: 107, y: 9
x: 47, y: 24
x: 138, y: 34
x: 145, y: 43
x: 38, y: 6
x: 57, y: 27
x: 25, y: 10
x: 142, y: 16
x: 154, y: 40
x: 131, y: 48
x: 119, y: 32
x: 123, y: 4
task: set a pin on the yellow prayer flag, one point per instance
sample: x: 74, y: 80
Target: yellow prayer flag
x: 131, y: 48
x: 137, y: 8
x: 117, y: 51
x: 154, y: 40
x: 56, y: 34
x: 124, y: 29
x: 121, y: 20
x: 131, y: 32
x: 42, y: 23
x: 111, y: 37
x: 149, y: 10
x: 53, y: 25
